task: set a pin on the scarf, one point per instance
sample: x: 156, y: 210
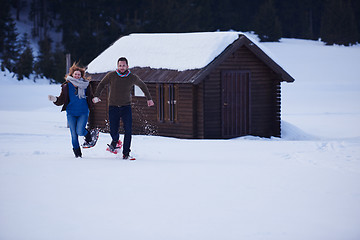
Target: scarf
x: 81, y: 84
x: 124, y: 74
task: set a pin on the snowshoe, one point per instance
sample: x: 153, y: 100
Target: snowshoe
x: 91, y: 138
x: 114, y: 149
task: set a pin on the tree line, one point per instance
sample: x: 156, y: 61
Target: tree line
x: 89, y: 26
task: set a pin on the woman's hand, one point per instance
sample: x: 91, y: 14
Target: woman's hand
x: 52, y: 98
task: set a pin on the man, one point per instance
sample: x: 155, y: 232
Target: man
x: 120, y: 84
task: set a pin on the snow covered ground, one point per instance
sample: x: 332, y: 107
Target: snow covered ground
x: 305, y: 185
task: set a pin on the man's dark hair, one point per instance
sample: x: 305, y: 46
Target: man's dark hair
x: 123, y: 59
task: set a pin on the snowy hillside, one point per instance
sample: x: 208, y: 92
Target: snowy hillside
x: 305, y: 185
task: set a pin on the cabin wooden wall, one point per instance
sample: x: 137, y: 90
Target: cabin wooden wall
x: 145, y: 118
x: 98, y: 117
x: 264, y: 91
x: 199, y: 111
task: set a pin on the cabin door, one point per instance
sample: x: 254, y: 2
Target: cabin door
x: 235, y: 103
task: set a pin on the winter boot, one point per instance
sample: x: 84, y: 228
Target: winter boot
x: 128, y: 157
x: 112, y: 146
x: 88, y: 138
x: 77, y: 152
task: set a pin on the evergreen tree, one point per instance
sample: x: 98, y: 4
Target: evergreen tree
x: 245, y: 12
x: 338, y: 23
x: 59, y: 65
x: 40, y: 16
x: 4, y: 18
x: 299, y: 18
x: 44, y: 66
x: 90, y: 26
x: 18, y: 5
x: 25, y: 63
x: 267, y: 24
x: 224, y: 14
x: 356, y: 8
x: 10, y: 51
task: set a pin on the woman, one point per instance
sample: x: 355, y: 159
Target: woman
x: 75, y: 97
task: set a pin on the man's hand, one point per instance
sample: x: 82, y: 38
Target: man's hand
x: 150, y: 103
x: 96, y: 100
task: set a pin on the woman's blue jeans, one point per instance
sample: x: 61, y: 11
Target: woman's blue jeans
x: 124, y: 113
x: 77, y: 126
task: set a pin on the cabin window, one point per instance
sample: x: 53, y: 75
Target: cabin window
x: 167, y: 97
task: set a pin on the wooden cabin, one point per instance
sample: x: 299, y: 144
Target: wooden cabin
x: 237, y: 93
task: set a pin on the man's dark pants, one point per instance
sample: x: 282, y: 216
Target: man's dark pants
x: 124, y: 113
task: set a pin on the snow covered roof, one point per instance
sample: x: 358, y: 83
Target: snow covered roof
x: 175, y: 51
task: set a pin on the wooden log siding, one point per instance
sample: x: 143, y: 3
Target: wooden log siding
x: 264, y: 92
x: 199, y: 132
x: 98, y: 118
x: 182, y: 127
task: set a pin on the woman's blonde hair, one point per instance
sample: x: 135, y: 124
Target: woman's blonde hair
x: 75, y: 67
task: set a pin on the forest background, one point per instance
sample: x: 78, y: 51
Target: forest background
x: 88, y: 27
